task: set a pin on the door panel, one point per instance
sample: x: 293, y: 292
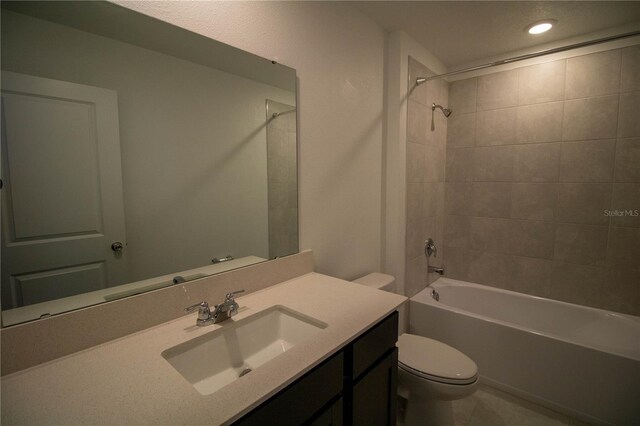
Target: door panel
x: 62, y: 282
x: 63, y: 196
x: 62, y: 203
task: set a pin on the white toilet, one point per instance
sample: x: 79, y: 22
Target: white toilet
x: 430, y: 373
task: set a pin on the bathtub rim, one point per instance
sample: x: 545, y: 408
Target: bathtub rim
x: 424, y: 297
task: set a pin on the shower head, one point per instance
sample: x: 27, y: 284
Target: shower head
x: 446, y: 111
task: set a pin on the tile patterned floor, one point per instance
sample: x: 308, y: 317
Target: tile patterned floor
x: 491, y: 407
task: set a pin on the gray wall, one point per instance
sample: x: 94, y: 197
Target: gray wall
x: 338, y: 54
x: 535, y: 156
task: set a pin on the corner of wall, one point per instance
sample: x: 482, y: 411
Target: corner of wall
x: 398, y: 47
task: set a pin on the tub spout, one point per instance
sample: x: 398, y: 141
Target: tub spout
x: 435, y: 269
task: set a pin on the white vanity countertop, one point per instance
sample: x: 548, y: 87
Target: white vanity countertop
x: 127, y: 381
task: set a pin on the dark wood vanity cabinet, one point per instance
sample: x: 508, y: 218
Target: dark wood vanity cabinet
x: 356, y: 386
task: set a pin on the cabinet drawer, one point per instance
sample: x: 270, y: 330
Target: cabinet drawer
x: 301, y: 400
x: 374, y: 344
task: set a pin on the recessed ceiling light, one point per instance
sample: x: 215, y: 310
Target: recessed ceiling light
x: 540, y: 26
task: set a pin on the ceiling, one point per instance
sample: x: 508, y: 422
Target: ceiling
x: 463, y: 32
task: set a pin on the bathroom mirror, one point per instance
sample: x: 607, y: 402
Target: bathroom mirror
x: 135, y: 155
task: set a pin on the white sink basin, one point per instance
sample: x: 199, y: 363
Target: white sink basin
x: 212, y: 361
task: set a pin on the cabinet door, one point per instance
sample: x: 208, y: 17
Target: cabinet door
x: 303, y: 400
x: 332, y: 416
x: 374, y: 396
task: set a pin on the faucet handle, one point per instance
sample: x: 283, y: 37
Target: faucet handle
x: 202, y: 304
x: 203, y: 310
x: 230, y: 296
x: 430, y: 248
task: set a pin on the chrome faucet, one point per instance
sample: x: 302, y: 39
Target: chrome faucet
x: 221, y: 312
x: 429, y: 250
x: 431, y: 269
x: 226, y: 309
x: 204, y: 313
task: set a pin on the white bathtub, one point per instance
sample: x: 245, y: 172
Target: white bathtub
x: 582, y: 361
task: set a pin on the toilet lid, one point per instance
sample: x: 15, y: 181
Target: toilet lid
x: 434, y: 360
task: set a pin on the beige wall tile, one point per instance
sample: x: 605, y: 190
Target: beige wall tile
x: 498, y: 90
x: 417, y: 93
x: 417, y: 122
x: 593, y: 75
x: 534, y: 201
x: 415, y: 162
x: 489, y: 269
x: 629, y: 118
x: 627, y: 167
x: 630, y: 74
x: 623, y: 250
x: 626, y: 202
x: 415, y: 277
x: 459, y: 165
x: 278, y: 195
x: 438, y: 137
x: 536, y: 163
x: 434, y: 164
x: 493, y: 164
x: 435, y: 230
x: 578, y: 284
x: 530, y: 275
x: 541, y: 83
x: 591, y: 118
x: 489, y: 235
x: 458, y: 198
x: 584, y: 203
x: 621, y: 292
x: 462, y: 95
x: 415, y: 236
x: 496, y: 127
x: 533, y: 179
x: 433, y: 198
x: 440, y: 198
x: 491, y: 199
x: 442, y: 132
x: 457, y: 231
x: 587, y: 161
x: 581, y: 244
x: 461, y: 130
x: 437, y: 93
x: 415, y: 202
x: 531, y: 238
x: 293, y: 194
x: 540, y: 123
x: 457, y: 262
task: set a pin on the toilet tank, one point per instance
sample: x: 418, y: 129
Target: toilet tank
x: 378, y: 280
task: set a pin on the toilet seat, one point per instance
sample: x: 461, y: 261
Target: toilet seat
x: 433, y: 360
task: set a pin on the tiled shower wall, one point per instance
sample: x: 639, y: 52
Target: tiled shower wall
x: 543, y: 180
x: 425, y: 175
x: 282, y: 178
